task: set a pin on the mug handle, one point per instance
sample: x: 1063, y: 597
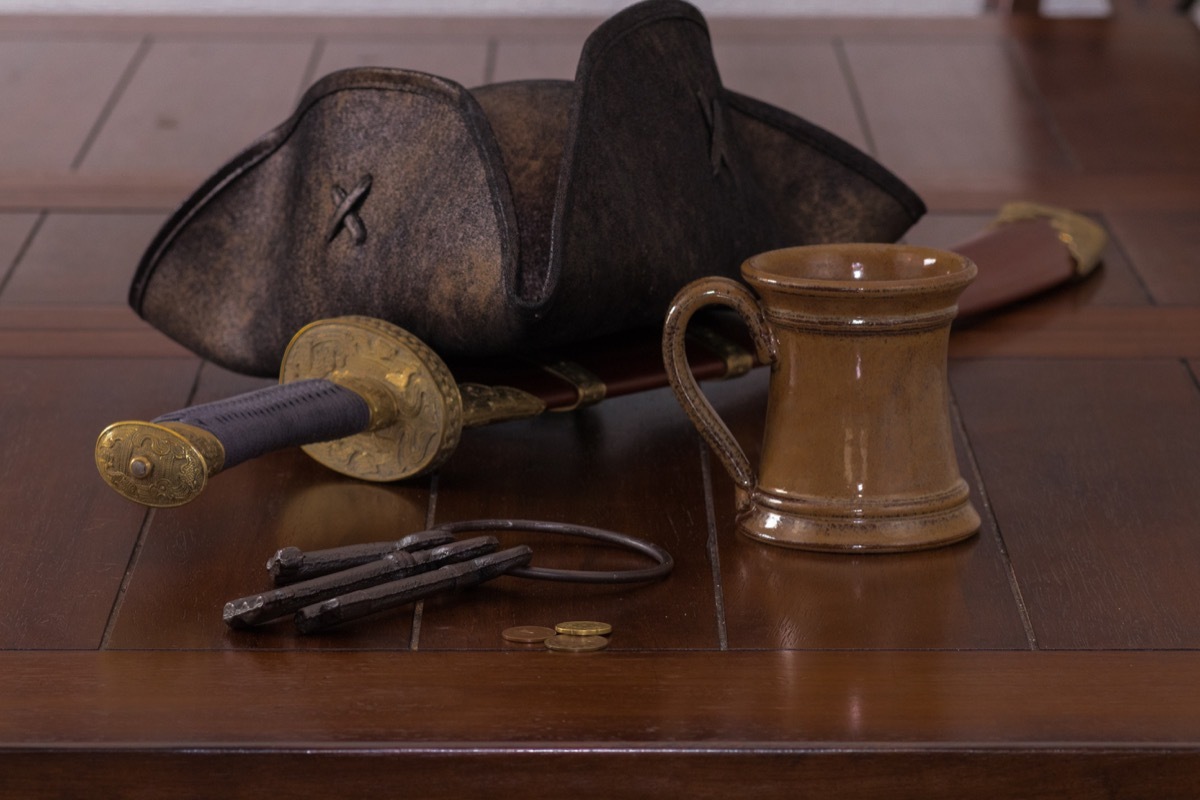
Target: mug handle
x: 693, y: 297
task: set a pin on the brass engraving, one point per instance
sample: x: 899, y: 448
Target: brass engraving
x: 157, y: 465
x: 413, y: 434
x: 209, y: 446
x: 379, y: 396
x: 483, y: 405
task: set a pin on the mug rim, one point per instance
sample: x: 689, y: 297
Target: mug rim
x: 756, y: 273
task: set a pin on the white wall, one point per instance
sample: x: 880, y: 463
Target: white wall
x: 536, y: 7
x: 490, y: 7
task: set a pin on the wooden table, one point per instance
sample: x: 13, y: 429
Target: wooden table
x: 1054, y: 654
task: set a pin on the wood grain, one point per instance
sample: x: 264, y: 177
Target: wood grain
x: 780, y: 599
x: 1089, y: 333
x: 524, y: 59
x: 74, y: 319
x: 67, y: 536
x: 462, y: 60
x: 81, y: 258
x: 80, y: 342
x: 846, y: 772
x: 938, y: 109
x: 276, y: 25
x: 750, y: 701
x: 640, y: 461
x: 193, y: 104
x: 1102, y: 190
x: 1054, y: 655
x: 15, y: 230
x: 805, y: 78
x: 1090, y: 468
x: 1164, y: 246
x: 1124, y: 98
x: 119, y: 191
x: 53, y: 91
x: 197, y: 557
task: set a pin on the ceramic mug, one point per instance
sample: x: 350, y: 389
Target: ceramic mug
x: 857, y: 451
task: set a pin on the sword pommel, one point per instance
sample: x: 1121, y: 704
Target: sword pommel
x: 155, y: 464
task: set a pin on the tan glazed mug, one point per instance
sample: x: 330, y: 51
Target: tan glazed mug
x: 857, y: 450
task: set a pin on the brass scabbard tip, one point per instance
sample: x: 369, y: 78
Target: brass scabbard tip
x: 154, y: 464
x: 1084, y: 239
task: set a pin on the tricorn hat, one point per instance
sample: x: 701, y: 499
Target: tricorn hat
x: 510, y: 217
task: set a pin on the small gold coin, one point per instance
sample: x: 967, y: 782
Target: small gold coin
x: 572, y: 643
x: 528, y: 634
x: 584, y: 628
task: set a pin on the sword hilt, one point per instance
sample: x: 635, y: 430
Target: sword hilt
x: 361, y: 396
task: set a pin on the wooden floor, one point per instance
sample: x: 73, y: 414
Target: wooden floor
x: 1055, y: 654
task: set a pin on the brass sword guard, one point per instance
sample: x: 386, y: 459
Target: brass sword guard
x: 417, y: 416
x: 416, y: 406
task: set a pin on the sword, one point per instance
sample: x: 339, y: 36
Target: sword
x: 368, y: 399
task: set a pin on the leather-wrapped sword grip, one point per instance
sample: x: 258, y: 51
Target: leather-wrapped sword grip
x: 287, y: 415
x: 167, y: 462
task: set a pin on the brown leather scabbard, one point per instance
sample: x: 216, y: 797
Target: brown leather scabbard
x: 612, y: 366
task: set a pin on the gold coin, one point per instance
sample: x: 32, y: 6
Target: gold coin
x: 584, y: 628
x: 528, y: 634
x: 571, y: 643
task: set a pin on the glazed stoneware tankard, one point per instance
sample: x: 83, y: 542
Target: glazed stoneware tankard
x: 857, y: 451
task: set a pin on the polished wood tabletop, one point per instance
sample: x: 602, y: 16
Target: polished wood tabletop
x: 1053, y: 654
